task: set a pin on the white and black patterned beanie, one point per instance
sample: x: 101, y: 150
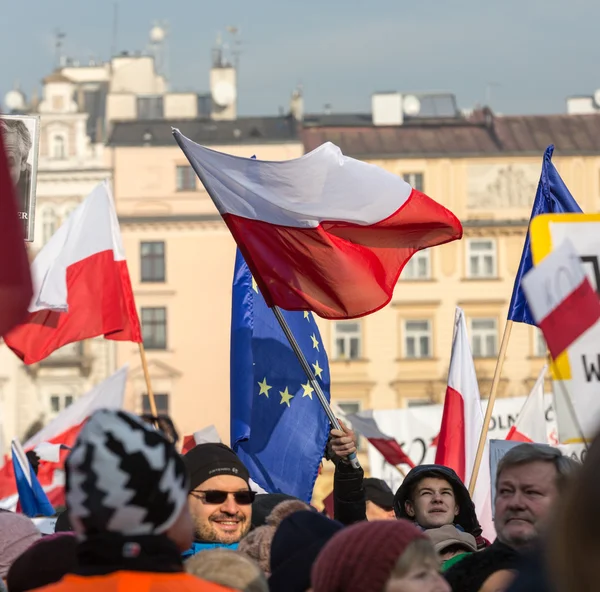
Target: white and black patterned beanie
x: 124, y: 477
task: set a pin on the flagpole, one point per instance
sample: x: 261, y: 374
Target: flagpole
x: 314, y: 383
x: 490, y: 406
x: 147, y: 377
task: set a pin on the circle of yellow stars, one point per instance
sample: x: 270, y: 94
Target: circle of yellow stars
x: 308, y: 390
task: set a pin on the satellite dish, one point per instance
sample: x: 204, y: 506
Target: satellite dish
x: 157, y: 34
x: 411, y: 105
x: 597, y: 98
x: 14, y: 100
x: 223, y: 93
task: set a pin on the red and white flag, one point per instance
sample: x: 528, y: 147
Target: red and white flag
x: 364, y: 423
x: 531, y: 421
x: 81, y: 284
x: 203, y: 436
x: 462, y: 422
x: 15, y: 277
x: 64, y: 429
x: 561, y: 298
x: 315, y: 228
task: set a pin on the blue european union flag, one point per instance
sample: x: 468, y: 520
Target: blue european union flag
x: 552, y: 197
x: 278, y: 427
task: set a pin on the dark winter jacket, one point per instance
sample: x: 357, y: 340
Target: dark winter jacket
x: 349, y: 505
x: 466, y: 518
x: 469, y: 574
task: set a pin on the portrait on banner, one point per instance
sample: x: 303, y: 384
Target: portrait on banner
x: 20, y: 134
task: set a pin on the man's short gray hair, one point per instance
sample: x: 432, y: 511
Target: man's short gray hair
x: 524, y: 454
x: 18, y: 127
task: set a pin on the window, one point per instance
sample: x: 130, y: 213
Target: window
x: 347, y: 338
x: 150, y: 107
x: 59, y: 402
x: 186, y: 178
x: 484, y: 338
x: 417, y: 339
x: 154, y: 328
x: 481, y: 259
x: 152, y: 256
x: 415, y: 180
x: 162, y: 403
x: 49, y: 223
x: 418, y: 268
x: 540, y: 349
x: 59, y: 151
x: 350, y: 408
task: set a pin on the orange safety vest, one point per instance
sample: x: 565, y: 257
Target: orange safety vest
x: 134, y: 581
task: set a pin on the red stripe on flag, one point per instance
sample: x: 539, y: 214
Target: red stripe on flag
x: 391, y: 451
x: 101, y: 302
x: 579, y: 311
x: 188, y: 443
x: 318, y: 269
x: 516, y: 436
x: 451, y: 441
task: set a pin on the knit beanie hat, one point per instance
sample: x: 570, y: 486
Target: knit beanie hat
x: 211, y: 460
x: 17, y: 534
x: 44, y: 563
x: 361, y: 557
x: 296, y: 545
x: 123, y: 477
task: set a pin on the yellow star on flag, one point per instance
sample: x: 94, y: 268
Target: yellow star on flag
x: 286, y: 397
x: 307, y: 315
x: 254, y: 285
x: 264, y: 388
x: 308, y: 390
x: 318, y: 369
x: 315, y: 342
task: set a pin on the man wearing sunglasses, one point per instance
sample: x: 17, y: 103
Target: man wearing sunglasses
x: 220, y: 497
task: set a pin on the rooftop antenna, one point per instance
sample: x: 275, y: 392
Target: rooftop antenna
x: 115, y: 30
x: 158, y: 47
x: 58, y: 45
x: 234, y: 31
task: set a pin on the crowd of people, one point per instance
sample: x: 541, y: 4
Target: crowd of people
x: 140, y: 517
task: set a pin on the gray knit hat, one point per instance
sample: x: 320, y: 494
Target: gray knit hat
x: 17, y: 534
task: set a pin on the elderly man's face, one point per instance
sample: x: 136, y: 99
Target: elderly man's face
x: 16, y: 163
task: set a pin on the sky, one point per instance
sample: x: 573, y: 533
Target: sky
x: 519, y: 56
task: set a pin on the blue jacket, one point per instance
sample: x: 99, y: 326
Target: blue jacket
x: 198, y: 546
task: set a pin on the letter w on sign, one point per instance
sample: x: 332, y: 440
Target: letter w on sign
x: 561, y: 298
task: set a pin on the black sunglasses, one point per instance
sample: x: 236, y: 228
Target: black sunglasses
x: 216, y: 497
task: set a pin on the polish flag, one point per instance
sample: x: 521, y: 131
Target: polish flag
x: 203, y: 436
x: 81, y: 284
x: 315, y: 228
x: 65, y: 428
x: 462, y: 422
x: 531, y: 421
x: 15, y: 277
x: 564, y: 304
x: 364, y: 423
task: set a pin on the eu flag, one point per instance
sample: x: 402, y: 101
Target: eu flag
x: 552, y: 197
x: 278, y: 427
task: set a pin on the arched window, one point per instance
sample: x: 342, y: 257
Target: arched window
x: 49, y: 224
x: 59, y: 150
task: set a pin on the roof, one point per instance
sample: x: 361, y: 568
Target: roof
x: 57, y: 76
x: 482, y: 134
x: 244, y: 130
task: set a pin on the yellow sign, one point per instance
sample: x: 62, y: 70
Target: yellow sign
x: 547, y: 232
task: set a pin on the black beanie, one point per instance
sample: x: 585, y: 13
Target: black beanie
x: 264, y: 504
x: 211, y: 460
x: 295, y: 547
x: 378, y: 492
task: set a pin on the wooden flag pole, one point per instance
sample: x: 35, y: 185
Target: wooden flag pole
x: 401, y: 471
x: 490, y: 406
x: 147, y: 377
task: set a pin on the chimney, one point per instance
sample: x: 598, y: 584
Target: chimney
x: 297, y: 105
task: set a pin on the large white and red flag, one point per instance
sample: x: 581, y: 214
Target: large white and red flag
x: 391, y: 450
x: 62, y: 432
x: 323, y: 232
x: 531, y: 421
x: 462, y: 422
x: 81, y: 284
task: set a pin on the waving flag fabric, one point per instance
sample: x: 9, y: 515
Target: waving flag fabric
x: 314, y: 228
x: 278, y: 427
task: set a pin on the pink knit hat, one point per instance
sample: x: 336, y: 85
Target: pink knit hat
x: 17, y: 534
x: 361, y: 557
